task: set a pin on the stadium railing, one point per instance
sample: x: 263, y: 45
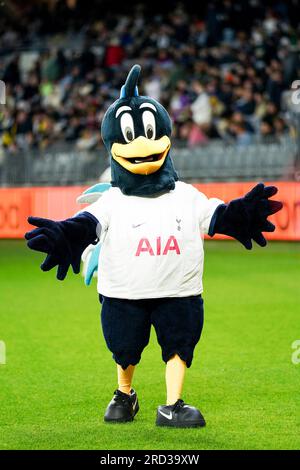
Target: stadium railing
x: 214, y: 162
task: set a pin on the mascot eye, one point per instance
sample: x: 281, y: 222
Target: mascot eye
x: 149, y: 124
x: 127, y: 127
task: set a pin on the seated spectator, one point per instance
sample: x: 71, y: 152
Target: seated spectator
x: 240, y: 133
x: 201, y: 114
x: 246, y: 103
x: 280, y: 128
x: 87, y: 141
x: 217, y: 78
x: 267, y: 134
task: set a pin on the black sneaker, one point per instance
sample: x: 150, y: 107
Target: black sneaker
x: 179, y: 415
x: 122, y: 407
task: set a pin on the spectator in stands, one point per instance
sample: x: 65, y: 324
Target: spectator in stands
x: 114, y: 53
x: 280, y: 128
x: 221, y: 72
x: 275, y: 87
x: 246, y: 103
x: 179, y: 106
x: 87, y: 141
x: 239, y: 132
x: 267, y: 134
x: 201, y: 115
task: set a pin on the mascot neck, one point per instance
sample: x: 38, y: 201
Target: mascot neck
x: 144, y: 185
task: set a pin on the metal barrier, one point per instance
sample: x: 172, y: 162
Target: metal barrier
x: 213, y: 162
x: 220, y: 162
x: 61, y: 167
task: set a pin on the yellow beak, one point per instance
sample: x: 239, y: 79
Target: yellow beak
x: 142, y: 156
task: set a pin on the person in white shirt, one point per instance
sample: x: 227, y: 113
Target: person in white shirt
x: 201, y: 107
x: 151, y: 229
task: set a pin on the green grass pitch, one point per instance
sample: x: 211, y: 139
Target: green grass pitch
x: 59, y: 376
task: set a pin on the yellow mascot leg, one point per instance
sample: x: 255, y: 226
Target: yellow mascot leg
x: 125, y: 378
x: 175, y: 371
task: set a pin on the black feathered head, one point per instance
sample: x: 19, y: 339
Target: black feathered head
x: 136, y: 131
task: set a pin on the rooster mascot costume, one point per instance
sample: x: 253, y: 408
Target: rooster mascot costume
x: 150, y: 226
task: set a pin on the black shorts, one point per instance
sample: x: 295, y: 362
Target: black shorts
x: 126, y: 324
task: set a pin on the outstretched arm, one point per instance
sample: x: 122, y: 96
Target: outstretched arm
x: 246, y: 218
x: 62, y: 241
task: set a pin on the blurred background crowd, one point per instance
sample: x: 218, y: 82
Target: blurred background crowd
x: 222, y: 71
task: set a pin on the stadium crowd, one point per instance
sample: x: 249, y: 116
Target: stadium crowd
x: 220, y: 72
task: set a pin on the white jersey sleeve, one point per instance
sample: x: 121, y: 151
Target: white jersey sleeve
x: 101, y: 209
x: 205, y: 210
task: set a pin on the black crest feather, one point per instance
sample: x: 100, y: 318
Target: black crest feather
x: 130, y: 88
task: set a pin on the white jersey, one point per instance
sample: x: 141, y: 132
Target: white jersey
x: 152, y: 246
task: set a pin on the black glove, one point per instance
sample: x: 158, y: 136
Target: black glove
x: 246, y: 218
x: 63, y: 241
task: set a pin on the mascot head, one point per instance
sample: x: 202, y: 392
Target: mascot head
x: 136, y: 131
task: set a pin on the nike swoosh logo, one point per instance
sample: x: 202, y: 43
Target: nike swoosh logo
x: 137, y: 225
x: 168, y: 416
x: 134, y: 405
